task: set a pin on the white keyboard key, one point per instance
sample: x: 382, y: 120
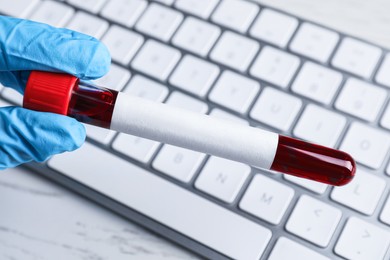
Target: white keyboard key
x: 18, y: 8
x: 367, y: 145
x: 275, y: 66
x: 156, y: 60
x: 165, y: 2
x: 314, y: 42
x: 357, y: 57
x: 314, y: 220
x: 313, y: 186
x: 93, y: 6
x: 320, y: 126
x: 196, y: 36
x: 361, y: 99
x: 388, y: 169
x: 286, y: 248
x: 222, y: 178
x: 221, y: 114
x: 234, y: 91
x: 385, y: 215
x: 135, y: 147
x: 143, y: 87
x: 267, y: 199
x: 122, y: 43
x: 125, y: 12
x: 189, y: 214
x: 235, y: 51
x: 13, y: 96
x: 385, y: 121
x: 88, y: 24
x: 362, y: 193
x: 317, y: 83
x: 194, y: 75
x: 98, y: 134
x: 183, y: 101
x: 116, y: 78
x: 383, y: 76
x: 159, y: 21
x: 276, y: 109
x: 53, y: 13
x: 178, y: 162
x: 361, y: 240
x: 274, y: 27
x: 235, y: 14
x: 201, y: 8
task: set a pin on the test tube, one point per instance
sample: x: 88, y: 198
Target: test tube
x: 67, y: 95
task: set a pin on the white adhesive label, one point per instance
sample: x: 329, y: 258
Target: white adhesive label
x: 167, y: 124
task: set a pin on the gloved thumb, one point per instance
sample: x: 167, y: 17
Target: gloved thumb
x: 27, y: 135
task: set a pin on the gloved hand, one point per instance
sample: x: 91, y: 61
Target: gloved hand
x: 24, y: 46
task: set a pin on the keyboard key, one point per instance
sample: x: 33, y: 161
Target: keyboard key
x: 116, y: 78
x: 201, y: 8
x: 314, y: 42
x: 385, y: 122
x: 88, y: 24
x: 93, y: 6
x: 135, y: 147
x: 286, y: 248
x: 275, y: 66
x: 235, y: 51
x: 222, y: 178
x: 361, y: 240
x: 122, y: 43
x: 195, y: 217
x: 235, y: 14
x: 159, y: 21
x: 276, y: 109
x: 183, y: 101
x: 357, y: 57
x: 383, y: 76
x: 53, y: 13
x: 234, y: 91
x: 194, y: 75
x: 196, y: 36
x: 385, y: 215
x: 317, y: 83
x: 359, y: 194
x: 178, y: 162
x: 12, y: 96
x: 313, y: 186
x: 165, y: 2
x: 18, y: 8
x: 313, y: 220
x: 320, y: 126
x: 367, y: 145
x: 267, y: 199
x: 156, y: 60
x: 143, y: 87
x: 388, y: 169
x: 221, y: 114
x: 274, y: 27
x: 125, y: 12
x: 361, y: 99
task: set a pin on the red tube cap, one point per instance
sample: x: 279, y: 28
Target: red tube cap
x: 49, y: 92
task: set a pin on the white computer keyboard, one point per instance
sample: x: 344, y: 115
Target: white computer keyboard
x: 237, y: 60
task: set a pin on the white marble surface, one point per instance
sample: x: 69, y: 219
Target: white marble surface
x: 40, y: 220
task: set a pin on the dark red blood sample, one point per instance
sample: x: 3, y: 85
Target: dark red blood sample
x: 92, y: 105
x: 313, y: 162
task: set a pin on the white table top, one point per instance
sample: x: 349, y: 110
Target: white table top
x: 40, y: 220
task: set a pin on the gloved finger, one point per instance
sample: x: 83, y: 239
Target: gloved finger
x: 27, y: 135
x: 27, y: 45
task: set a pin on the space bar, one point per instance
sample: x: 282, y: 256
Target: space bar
x: 167, y: 203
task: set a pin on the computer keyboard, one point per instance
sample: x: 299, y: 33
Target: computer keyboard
x: 250, y: 64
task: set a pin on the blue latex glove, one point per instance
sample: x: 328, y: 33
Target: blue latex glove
x: 24, y: 46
